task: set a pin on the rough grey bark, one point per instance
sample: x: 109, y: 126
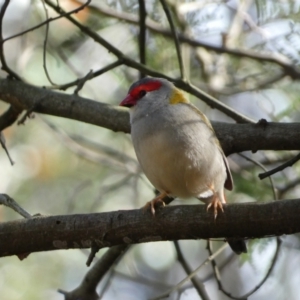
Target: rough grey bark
x: 248, y: 220
x: 233, y: 137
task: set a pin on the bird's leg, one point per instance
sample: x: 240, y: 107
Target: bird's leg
x: 216, y: 203
x: 155, y: 202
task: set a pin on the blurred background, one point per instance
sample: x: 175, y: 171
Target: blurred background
x: 67, y: 167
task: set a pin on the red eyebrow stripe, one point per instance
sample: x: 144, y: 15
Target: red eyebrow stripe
x: 148, y: 87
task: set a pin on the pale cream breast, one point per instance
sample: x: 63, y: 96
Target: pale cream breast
x: 179, y: 157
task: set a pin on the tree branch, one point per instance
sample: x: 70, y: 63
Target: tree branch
x: 208, y: 99
x: 4, y: 66
x: 92, y: 74
x: 247, y: 220
x: 289, y: 163
x: 87, y: 288
x: 48, y: 21
x: 289, y: 68
x: 175, y: 37
x: 233, y: 137
x: 142, y: 34
x: 199, y: 285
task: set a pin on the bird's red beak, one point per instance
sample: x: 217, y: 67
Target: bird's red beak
x: 129, y: 101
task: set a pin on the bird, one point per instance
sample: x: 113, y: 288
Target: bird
x: 177, y: 147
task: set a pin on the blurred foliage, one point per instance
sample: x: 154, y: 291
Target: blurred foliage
x: 65, y: 167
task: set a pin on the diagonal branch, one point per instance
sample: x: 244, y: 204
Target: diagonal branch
x: 289, y: 163
x: 3, y: 145
x: 199, y: 286
x: 11, y: 203
x: 90, y: 76
x: 211, y: 101
x: 175, y: 37
x: 48, y: 20
x: 289, y: 68
x: 87, y: 288
x: 191, y: 275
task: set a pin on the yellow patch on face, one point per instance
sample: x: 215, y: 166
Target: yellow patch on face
x: 178, y: 97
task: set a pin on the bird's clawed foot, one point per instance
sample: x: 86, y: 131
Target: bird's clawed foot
x: 154, y: 203
x: 216, y: 204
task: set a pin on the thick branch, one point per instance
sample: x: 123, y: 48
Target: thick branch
x: 248, y: 220
x: 28, y: 97
x: 233, y: 137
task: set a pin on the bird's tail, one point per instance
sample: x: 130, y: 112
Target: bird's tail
x: 238, y: 246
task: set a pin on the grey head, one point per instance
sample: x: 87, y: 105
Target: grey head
x: 147, y: 95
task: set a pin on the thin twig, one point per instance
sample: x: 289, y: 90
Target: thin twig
x: 11, y: 203
x: 142, y: 279
x: 94, y: 250
x: 274, y: 190
x: 216, y: 271
x: 87, y: 288
x: 86, y: 153
x: 5, y: 67
x: 74, y: 11
x: 175, y: 37
x: 214, y: 103
x: 132, y: 63
x: 108, y: 189
x: 28, y: 115
x: 199, y: 286
x: 218, y: 275
x: 278, y: 241
x: 248, y: 294
x: 192, y: 274
x: 29, y: 112
x: 91, y: 76
x: 3, y: 144
x: 289, y: 163
x: 120, y: 156
x: 142, y: 34
x: 82, y: 82
x: 45, y: 45
x: 289, y: 68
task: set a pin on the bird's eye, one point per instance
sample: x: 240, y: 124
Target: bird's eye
x: 142, y: 93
